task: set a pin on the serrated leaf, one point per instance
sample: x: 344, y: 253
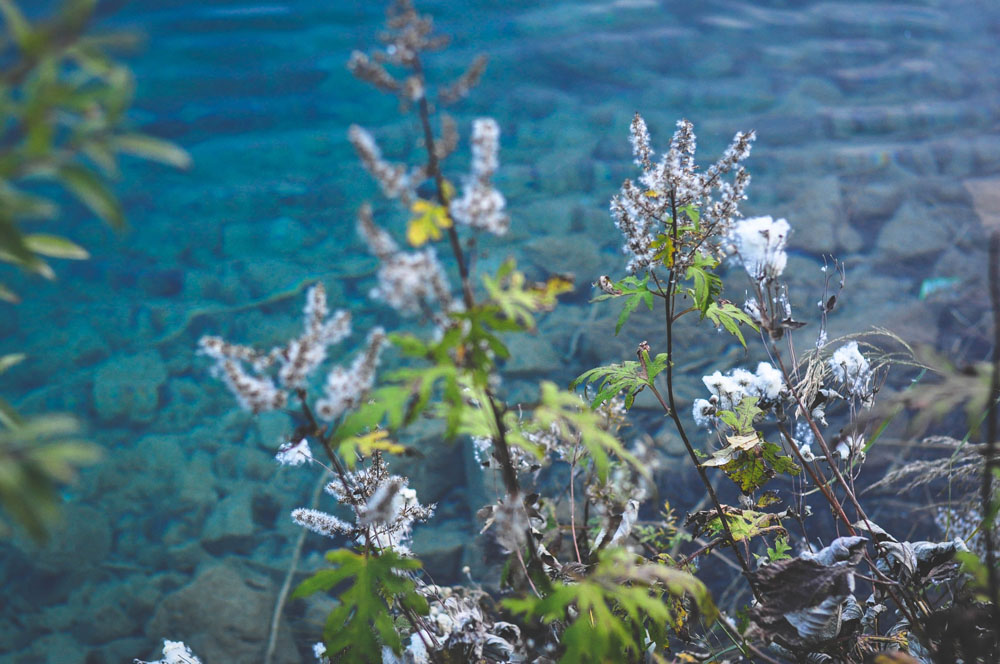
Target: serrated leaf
x: 18, y: 26
x: 618, y: 600
x: 570, y: 414
x: 54, y: 246
x: 365, y: 444
x: 426, y: 223
x: 362, y: 622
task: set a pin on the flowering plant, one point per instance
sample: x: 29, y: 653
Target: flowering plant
x: 584, y: 579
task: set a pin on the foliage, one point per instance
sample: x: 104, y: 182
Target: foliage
x: 37, y: 455
x: 362, y: 623
x: 619, y: 608
x: 569, y: 492
x: 63, y: 104
x: 628, y: 377
x: 636, y: 291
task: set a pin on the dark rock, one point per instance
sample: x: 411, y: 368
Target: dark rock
x: 223, y: 615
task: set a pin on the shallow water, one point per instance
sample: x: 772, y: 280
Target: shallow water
x: 874, y: 123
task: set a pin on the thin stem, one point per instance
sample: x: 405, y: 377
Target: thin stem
x: 991, y: 462
x: 572, y: 502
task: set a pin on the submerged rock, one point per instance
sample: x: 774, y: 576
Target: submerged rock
x: 128, y: 387
x: 224, y: 615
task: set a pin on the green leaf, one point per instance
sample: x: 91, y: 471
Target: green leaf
x: 54, y: 246
x: 707, y: 284
x: 567, y: 411
x: 610, y: 612
x: 94, y: 194
x: 152, y: 149
x: 358, y: 627
x: 18, y: 26
x: 518, y: 299
x: 780, y: 550
x: 728, y: 316
x: 638, y: 293
x: 627, y: 377
x: 9, y: 417
x: 7, y: 295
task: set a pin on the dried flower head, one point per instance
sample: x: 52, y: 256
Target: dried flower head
x: 644, y: 211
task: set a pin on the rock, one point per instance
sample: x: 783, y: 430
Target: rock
x: 286, y: 236
x: 105, y: 614
x: 273, y: 429
x: 439, y: 467
x: 568, y: 254
x: 669, y: 442
x: 230, y: 527
x: 914, y: 231
x: 531, y: 355
x: 870, y: 205
x: 819, y: 222
x: 183, y: 406
x: 128, y: 387
x: 58, y: 647
x: 440, y: 547
x: 82, y: 539
x: 223, y: 615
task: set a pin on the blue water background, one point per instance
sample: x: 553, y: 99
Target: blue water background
x: 874, y: 123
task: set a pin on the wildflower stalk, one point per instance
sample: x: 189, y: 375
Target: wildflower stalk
x: 434, y: 170
x: 509, y: 473
x: 670, y: 405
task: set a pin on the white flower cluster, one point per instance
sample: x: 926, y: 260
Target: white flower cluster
x: 247, y: 372
x: 174, y: 652
x: 481, y: 205
x: 385, y: 508
x: 346, y: 387
x: 294, y: 454
x: 407, y: 281
x: 850, y: 368
x: 303, y: 355
x: 674, y: 182
x: 729, y: 389
x: 321, y: 523
x: 759, y: 243
x: 393, y: 179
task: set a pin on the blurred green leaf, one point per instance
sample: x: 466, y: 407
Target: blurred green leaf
x: 17, y: 25
x: 94, y: 194
x: 7, y: 295
x: 153, y: 149
x: 54, y: 246
x: 9, y: 360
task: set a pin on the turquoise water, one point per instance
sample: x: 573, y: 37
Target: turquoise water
x: 875, y: 123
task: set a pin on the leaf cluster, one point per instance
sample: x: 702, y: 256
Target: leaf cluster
x: 36, y: 456
x: 628, y: 377
x: 62, y: 102
x: 362, y: 623
x: 617, y: 610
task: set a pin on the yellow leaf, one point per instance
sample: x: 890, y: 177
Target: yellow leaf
x: 651, y: 194
x: 426, y: 224
x: 365, y: 444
